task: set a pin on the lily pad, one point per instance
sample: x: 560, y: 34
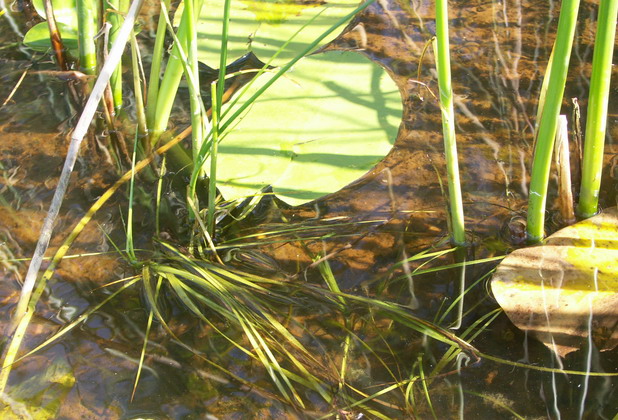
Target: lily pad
x: 37, y: 37
x: 322, y: 126
x: 566, y: 289
x: 263, y: 27
x: 65, y: 11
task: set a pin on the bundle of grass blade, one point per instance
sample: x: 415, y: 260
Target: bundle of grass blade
x: 244, y: 300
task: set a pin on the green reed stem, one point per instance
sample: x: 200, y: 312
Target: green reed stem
x: 443, y: 65
x: 212, y: 178
x: 129, y: 247
x: 194, y: 91
x: 543, y: 93
x: 87, y: 30
x: 194, y: 88
x: 217, y: 99
x: 597, y: 109
x: 223, y: 54
x: 137, y: 91
x: 154, y: 79
x: 171, y: 79
x: 549, y: 119
x: 115, y: 20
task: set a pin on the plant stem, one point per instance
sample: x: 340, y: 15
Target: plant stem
x: 212, y: 179
x: 86, y: 18
x: 27, y: 300
x: 448, y: 122
x: 115, y: 19
x: 54, y: 36
x: 223, y: 54
x: 194, y: 90
x: 549, y: 119
x: 563, y: 163
x: 217, y: 99
x: 597, y: 109
x: 155, y: 68
x: 171, y: 79
x: 137, y: 90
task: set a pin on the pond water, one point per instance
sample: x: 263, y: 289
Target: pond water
x: 499, y: 53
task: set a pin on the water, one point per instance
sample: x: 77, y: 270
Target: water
x: 499, y: 55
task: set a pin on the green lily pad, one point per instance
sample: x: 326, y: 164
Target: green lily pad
x: 322, y: 126
x: 65, y: 11
x: 566, y: 289
x: 37, y: 37
x: 263, y: 27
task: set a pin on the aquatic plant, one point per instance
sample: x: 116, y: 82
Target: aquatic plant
x: 66, y: 22
x: 205, y: 288
x: 246, y: 314
x: 597, y: 108
x: 443, y: 65
x: 86, y: 32
x: 185, y: 274
x: 549, y: 108
x: 549, y: 111
x: 115, y: 9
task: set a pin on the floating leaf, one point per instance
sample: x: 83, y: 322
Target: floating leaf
x: 264, y: 26
x: 324, y: 125
x: 65, y: 11
x: 37, y: 37
x: 567, y: 288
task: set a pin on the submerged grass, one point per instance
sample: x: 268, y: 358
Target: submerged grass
x: 245, y: 300
x: 255, y: 314
x: 249, y: 302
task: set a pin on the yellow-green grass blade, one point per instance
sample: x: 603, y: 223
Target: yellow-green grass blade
x: 145, y: 344
x: 426, y: 392
x: 272, y: 367
x: 454, y: 351
x: 130, y: 281
x: 369, y: 398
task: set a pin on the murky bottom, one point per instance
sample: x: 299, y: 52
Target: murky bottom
x: 500, y: 50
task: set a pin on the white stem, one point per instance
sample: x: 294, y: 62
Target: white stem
x: 76, y: 139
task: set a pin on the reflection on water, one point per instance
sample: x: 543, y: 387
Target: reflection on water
x: 499, y: 54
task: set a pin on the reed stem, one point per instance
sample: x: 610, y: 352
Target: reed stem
x: 443, y: 65
x: 217, y: 99
x: 547, y: 127
x: 154, y: 79
x: 212, y: 179
x: 86, y: 18
x: 171, y: 79
x: 597, y: 109
x: 194, y: 91
x: 137, y: 89
x: 563, y: 163
x: 115, y: 18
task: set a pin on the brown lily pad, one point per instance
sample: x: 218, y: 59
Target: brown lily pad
x: 566, y: 289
